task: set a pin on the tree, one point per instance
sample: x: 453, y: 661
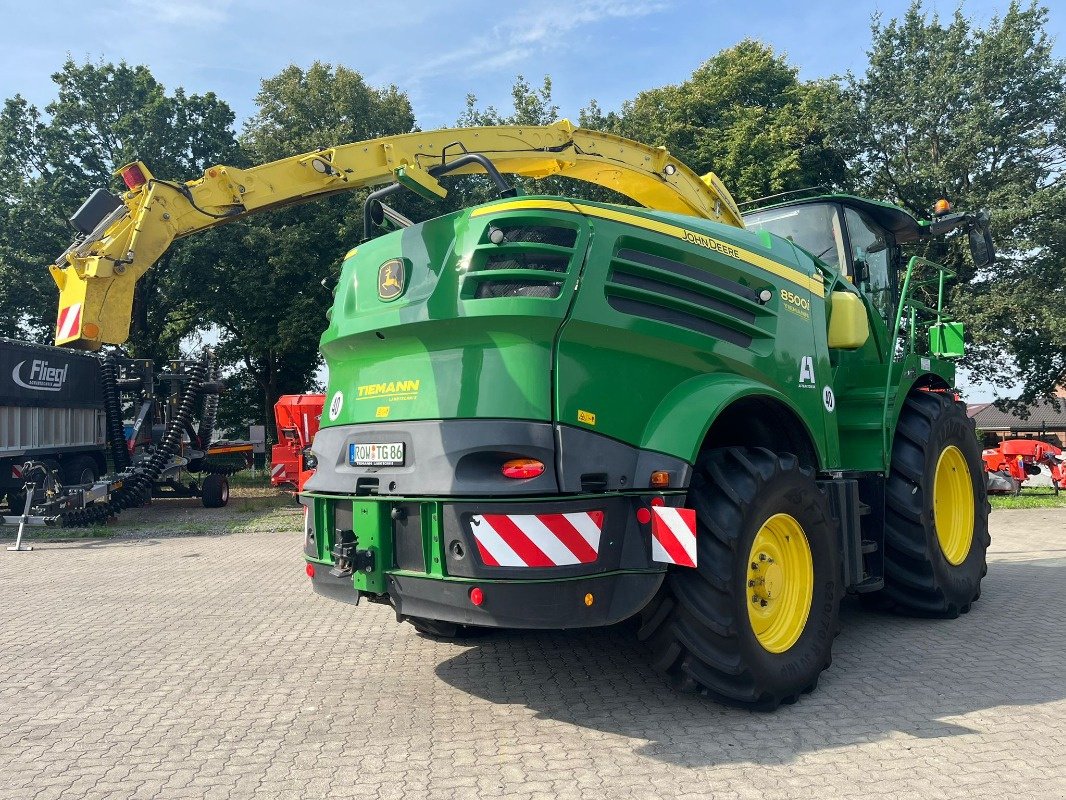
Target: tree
x: 104, y: 116
x: 948, y: 109
x: 745, y: 115
x: 265, y: 293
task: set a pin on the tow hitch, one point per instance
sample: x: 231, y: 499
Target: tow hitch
x: 348, y: 558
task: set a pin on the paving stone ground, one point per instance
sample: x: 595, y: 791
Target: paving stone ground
x: 202, y: 667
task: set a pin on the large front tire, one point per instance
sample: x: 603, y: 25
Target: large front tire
x: 753, y: 624
x: 936, y: 510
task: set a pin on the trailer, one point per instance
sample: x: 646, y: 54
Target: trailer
x: 52, y: 413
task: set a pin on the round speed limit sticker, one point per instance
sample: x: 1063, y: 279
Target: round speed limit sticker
x: 335, y: 405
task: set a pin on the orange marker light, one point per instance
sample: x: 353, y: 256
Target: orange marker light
x: 660, y: 479
x: 589, y: 599
x: 519, y: 468
x: 941, y: 207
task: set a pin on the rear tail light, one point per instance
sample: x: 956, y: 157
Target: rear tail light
x: 477, y: 597
x: 310, y: 570
x: 133, y: 176
x: 519, y: 468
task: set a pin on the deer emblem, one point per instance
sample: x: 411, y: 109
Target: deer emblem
x: 390, y: 280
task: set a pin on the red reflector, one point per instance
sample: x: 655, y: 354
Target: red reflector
x: 133, y: 177
x: 658, y: 501
x: 522, y: 468
x: 477, y: 597
x: 643, y: 516
x: 310, y: 570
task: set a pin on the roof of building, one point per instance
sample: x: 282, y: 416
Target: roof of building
x: 1042, y: 415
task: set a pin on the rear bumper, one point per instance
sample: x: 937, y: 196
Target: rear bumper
x: 424, y: 556
x: 576, y: 603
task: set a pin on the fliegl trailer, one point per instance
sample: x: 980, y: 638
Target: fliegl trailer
x: 545, y: 412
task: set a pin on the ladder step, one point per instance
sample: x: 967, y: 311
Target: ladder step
x: 869, y: 546
x: 871, y: 584
x: 864, y: 509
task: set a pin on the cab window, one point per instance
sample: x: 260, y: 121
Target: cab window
x: 871, y: 246
x: 815, y: 227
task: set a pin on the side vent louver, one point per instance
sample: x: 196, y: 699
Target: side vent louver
x: 523, y: 262
x: 678, y: 293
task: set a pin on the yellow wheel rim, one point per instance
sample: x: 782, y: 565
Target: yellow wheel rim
x: 953, y: 505
x: 780, y: 583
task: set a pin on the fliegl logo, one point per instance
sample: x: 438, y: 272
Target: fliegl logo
x: 41, y: 377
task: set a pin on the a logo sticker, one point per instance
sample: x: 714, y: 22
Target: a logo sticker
x: 335, y: 405
x: 798, y: 305
x: 391, y: 279
x: 42, y: 377
x: 829, y: 399
x: 806, y: 379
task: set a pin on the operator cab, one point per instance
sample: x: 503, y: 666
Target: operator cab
x: 856, y: 238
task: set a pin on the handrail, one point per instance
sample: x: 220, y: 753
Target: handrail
x: 913, y: 306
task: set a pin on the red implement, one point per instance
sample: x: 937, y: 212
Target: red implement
x: 297, y: 418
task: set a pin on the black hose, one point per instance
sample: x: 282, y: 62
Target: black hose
x: 116, y: 436
x: 209, y: 411
x: 136, y: 490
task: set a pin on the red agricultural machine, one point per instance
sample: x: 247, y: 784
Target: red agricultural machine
x: 1016, y: 460
x: 297, y: 418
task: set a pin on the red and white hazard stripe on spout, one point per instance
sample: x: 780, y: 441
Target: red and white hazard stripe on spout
x: 537, y: 540
x: 69, y: 323
x: 673, y: 536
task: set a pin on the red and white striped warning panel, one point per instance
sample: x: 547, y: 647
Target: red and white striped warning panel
x: 673, y: 535
x: 69, y: 323
x: 537, y: 540
x: 279, y: 469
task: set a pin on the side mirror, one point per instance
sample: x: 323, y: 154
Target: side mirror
x: 981, y: 248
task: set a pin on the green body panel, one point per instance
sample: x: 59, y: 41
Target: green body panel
x: 440, y: 352
x: 436, y: 351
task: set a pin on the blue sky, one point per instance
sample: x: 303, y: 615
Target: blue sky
x: 439, y: 52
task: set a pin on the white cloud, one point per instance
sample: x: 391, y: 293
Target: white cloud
x: 532, y: 32
x: 184, y: 12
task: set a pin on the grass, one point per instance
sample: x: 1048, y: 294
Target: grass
x: 1029, y: 498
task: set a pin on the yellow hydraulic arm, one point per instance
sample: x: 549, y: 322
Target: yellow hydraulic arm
x: 97, y: 274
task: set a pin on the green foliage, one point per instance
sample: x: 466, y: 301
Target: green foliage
x: 947, y: 109
x: 104, y: 116
x: 745, y: 115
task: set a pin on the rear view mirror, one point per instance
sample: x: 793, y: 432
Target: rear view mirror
x: 981, y: 249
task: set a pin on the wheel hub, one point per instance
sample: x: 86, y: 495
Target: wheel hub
x: 780, y: 583
x: 953, y: 505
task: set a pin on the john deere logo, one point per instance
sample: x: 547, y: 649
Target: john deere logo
x: 390, y: 279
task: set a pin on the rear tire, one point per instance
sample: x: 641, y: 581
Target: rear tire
x: 79, y: 470
x: 709, y: 628
x: 215, y: 491
x: 936, y: 477
x: 438, y: 629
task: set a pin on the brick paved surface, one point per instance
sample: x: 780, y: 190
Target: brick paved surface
x: 201, y: 667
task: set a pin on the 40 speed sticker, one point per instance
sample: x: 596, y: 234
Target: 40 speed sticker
x: 335, y: 405
x: 829, y: 399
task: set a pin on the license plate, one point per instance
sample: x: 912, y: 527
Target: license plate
x: 376, y: 454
